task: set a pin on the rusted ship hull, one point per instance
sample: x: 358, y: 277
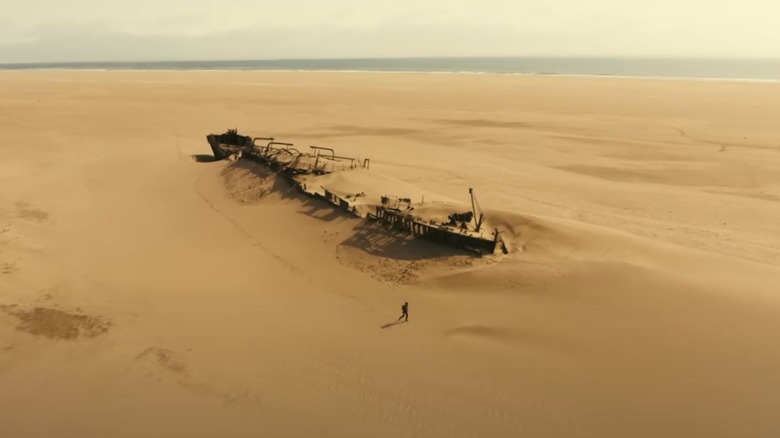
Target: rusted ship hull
x: 294, y: 166
x: 407, y: 224
x: 229, y: 143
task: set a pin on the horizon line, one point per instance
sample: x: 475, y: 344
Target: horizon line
x: 400, y: 58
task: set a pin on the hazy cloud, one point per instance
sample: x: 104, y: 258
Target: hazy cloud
x: 104, y: 30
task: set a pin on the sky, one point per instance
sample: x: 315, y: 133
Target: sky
x: 157, y: 30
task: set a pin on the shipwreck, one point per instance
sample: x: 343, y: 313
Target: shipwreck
x: 463, y: 230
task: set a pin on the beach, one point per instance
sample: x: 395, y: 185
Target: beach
x: 146, y: 290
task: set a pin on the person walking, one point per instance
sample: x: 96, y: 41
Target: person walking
x: 404, y: 312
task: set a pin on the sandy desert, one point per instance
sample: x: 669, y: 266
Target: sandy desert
x: 146, y: 291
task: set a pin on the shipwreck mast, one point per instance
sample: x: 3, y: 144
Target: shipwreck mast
x: 474, y: 207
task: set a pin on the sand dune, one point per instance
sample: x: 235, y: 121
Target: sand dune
x: 146, y: 290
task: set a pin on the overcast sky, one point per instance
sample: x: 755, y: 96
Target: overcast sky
x: 135, y: 30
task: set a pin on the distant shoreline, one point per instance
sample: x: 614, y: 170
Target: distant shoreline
x: 549, y: 75
x: 743, y: 70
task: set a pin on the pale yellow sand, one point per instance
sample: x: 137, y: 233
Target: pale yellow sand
x: 146, y: 294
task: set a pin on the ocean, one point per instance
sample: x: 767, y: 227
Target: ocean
x: 734, y: 69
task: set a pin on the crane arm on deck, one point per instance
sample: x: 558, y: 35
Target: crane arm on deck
x: 478, y: 216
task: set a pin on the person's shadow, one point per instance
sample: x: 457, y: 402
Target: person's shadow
x: 394, y: 323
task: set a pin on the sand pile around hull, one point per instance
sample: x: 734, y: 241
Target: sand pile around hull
x: 359, y: 194
x: 249, y: 182
x: 543, y: 249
